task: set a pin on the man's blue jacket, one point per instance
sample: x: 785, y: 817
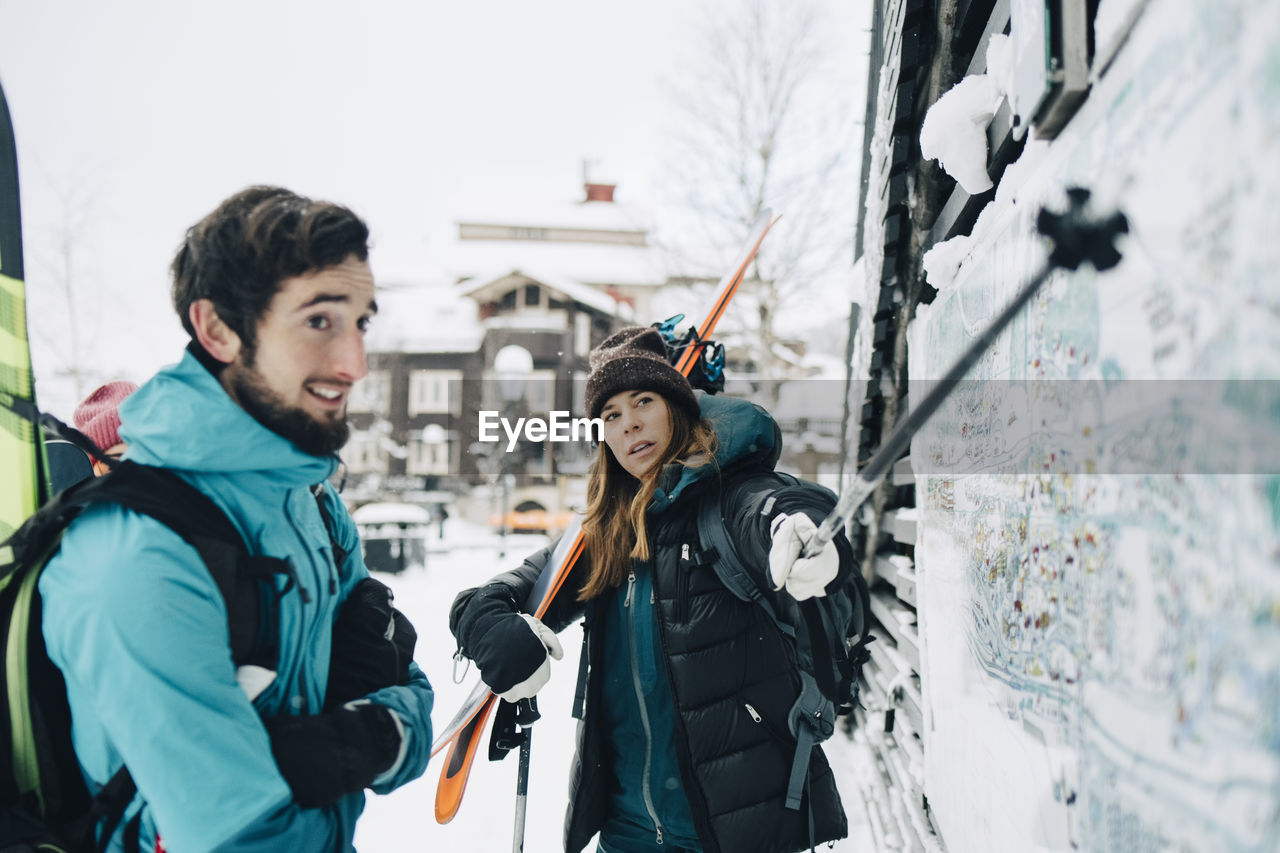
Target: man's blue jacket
x: 138, y: 628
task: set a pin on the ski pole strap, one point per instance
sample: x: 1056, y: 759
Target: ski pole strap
x: 580, y: 692
x: 812, y: 842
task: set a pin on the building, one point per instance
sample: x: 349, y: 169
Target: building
x: 554, y: 283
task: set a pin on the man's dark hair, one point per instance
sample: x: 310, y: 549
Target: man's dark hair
x: 238, y: 255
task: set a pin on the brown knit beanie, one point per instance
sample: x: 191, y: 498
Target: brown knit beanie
x: 98, y: 418
x: 635, y: 359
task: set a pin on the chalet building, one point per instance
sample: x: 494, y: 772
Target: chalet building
x: 554, y: 283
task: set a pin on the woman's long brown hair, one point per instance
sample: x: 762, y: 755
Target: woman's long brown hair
x: 614, y: 529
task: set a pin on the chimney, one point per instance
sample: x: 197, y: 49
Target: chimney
x: 599, y: 192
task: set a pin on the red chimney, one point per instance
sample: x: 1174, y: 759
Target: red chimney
x: 600, y: 192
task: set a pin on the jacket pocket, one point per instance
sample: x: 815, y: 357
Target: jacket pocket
x: 762, y: 720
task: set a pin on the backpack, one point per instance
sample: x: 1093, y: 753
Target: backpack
x: 830, y: 633
x: 44, y: 803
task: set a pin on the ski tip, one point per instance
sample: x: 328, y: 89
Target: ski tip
x: 450, y: 790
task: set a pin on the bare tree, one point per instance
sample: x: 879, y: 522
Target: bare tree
x: 767, y: 120
x: 69, y: 304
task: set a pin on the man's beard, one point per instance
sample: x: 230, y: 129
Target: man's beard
x: 312, y: 436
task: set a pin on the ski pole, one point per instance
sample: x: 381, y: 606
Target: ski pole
x: 526, y: 715
x: 1076, y: 238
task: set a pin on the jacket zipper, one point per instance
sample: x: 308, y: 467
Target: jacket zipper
x: 684, y: 570
x: 318, y: 573
x: 644, y: 711
x: 758, y: 719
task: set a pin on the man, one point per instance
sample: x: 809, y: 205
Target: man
x: 276, y: 292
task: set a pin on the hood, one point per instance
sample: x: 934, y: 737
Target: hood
x: 746, y: 434
x: 183, y: 419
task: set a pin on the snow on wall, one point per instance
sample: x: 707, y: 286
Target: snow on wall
x: 1099, y: 595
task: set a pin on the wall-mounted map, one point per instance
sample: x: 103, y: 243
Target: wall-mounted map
x: 1099, y: 553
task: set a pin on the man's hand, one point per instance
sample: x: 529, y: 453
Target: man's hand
x: 325, y: 756
x: 372, y: 645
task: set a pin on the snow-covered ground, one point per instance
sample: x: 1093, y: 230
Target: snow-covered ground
x: 405, y: 820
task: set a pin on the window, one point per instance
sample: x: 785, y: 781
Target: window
x: 372, y: 394
x: 540, y: 391
x: 581, y: 334
x: 363, y: 454
x: 435, y: 392
x: 537, y: 399
x: 532, y: 295
x: 430, y: 458
x: 579, y: 393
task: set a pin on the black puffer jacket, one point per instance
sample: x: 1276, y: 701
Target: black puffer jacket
x: 722, y: 654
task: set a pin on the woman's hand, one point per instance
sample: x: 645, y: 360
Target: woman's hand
x: 803, y: 577
x: 551, y: 646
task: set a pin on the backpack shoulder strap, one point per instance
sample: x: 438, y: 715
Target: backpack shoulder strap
x: 340, y: 554
x: 172, y: 501
x: 720, y: 553
x: 812, y: 717
x: 184, y: 509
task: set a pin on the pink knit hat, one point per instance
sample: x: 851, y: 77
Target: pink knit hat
x: 98, y: 418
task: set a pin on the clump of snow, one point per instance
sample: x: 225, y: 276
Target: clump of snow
x: 1000, y: 65
x: 391, y: 513
x: 955, y: 131
x: 943, y: 261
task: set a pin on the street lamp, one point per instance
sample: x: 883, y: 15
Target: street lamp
x: 434, y: 436
x: 511, y: 365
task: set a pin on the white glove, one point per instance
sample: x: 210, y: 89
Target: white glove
x: 531, y: 685
x: 803, y: 578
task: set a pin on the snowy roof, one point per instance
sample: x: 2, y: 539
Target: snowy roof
x: 424, y: 318
x: 590, y: 263
x: 593, y: 215
x: 501, y: 282
x: 391, y: 513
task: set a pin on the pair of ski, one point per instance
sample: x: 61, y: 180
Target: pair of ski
x: 1075, y: 236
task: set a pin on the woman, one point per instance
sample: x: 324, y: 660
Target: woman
x: 684, y: 744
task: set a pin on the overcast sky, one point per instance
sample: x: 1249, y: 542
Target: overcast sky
x: 135, y: 118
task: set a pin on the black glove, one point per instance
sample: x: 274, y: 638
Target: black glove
x: 490, y: 630
x: 372, y: 645
x: 325, y: 756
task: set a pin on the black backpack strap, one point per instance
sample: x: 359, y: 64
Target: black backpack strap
x: 245, y: 581
x: 818, y: 624
x: 812, y: 716
x: 340, y: 554
x: 109, y: 806
x: 719, y: 552
x: 133, y: 834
